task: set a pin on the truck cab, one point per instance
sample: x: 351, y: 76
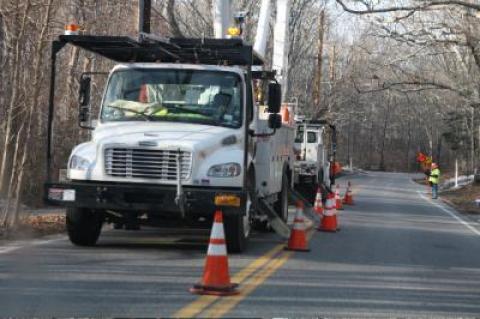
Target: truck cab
x: 153, y: 113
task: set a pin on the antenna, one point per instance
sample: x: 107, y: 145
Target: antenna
x: 144, y: 16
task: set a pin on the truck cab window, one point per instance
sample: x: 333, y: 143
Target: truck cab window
x: 190, y: 96
x: 312, y: 137
x: 299, y: 137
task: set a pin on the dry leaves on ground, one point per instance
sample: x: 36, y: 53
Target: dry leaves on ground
x: 38, y: 226
x: 464, y: 198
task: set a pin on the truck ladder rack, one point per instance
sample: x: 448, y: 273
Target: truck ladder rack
x: 149, y: 48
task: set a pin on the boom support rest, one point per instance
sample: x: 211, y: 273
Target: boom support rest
x: 278, y: 225
x: 308, y: 211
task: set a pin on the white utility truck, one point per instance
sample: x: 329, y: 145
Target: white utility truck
x: 179, y: 135
x: 314, y: 150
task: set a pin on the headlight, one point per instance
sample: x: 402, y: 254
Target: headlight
x: 80, y: 163
x: 225, y: 170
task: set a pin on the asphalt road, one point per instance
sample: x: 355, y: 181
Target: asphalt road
x: 398, y: 254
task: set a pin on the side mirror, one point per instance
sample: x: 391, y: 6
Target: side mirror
x: 84, y: 91
x: 84, y: 101
x: 274, y: 97
x: 83, y: 114
x: 274, y: 121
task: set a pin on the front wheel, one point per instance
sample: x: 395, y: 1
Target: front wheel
x: 235, y: 234
x: 237, y: 226
x: 84, y: 226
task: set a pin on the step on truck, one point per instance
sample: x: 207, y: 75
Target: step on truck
x: 180, y: 134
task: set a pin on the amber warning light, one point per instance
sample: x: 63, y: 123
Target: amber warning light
x: 72, y: 29
x: 227, y: 200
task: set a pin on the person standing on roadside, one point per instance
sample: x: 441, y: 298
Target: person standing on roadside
x: 434, y: 178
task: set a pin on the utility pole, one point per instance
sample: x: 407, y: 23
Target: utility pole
x: 332, y: 67
x: 348, y: 137
x: 144, y: 15
x: 372, y: 112
x: 472, y: 142
x: 318, y: 75
x: 456, y: 172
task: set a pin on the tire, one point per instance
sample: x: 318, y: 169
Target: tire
x: 321, y: 176
x: 238, y: 225
x: 281, y: 205
x: 308, y: 188
x: 84, y: 226
x: 235, y: 233
x: 117, y: 226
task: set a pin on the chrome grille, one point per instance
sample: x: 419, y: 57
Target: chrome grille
x: 147, y: 163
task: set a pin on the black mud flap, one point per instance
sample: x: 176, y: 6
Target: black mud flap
x: 277, y: 224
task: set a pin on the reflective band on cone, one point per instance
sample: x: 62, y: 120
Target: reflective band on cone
x: 216, y: 277
x: 298, y: 236
x: 329, y: 220
x: 318, y: 207
x: 338, y: 199
x: 348, y: 199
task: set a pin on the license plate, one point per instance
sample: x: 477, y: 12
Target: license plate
x: 69, y: 195
x: 55, y: 194
x: 60, y: 194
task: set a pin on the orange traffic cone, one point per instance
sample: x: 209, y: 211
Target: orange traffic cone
x: 298, y: 236
x: 338, y: 199
x: 329, y: 220
x: 216, y: 278
x: 348, y: 199
x: 318, y: 206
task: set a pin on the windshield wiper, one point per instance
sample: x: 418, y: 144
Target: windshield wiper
x: 149, y: 117
x: 184, y: 109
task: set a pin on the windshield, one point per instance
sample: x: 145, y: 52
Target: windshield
x: 300, y: 135
x: 190, y: 96
x: 312, y: 137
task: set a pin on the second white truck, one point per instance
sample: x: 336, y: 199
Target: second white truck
x: 313, y: 150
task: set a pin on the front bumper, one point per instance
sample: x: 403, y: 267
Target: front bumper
x: 305, y: 168
x: 138, y: 197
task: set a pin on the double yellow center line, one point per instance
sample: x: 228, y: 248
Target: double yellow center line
x: 250, y: 277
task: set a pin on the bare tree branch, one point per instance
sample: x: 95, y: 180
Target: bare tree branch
x: 427, y: 5
x: 175, y: 29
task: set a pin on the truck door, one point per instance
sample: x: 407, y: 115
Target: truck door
x: 312, y: 151
x: 320, y: 149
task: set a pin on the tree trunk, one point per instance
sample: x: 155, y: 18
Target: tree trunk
x: 7, y: 221
x: 40, y: 50
x: 6, y: 162
x: 384, y: 133
x: 318, y: 75
x: 174, y: 28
